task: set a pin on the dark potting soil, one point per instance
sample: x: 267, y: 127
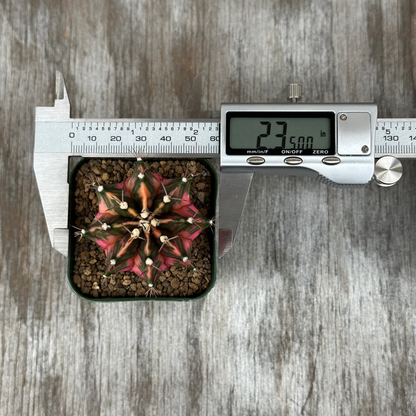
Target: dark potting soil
x: 90, y: 258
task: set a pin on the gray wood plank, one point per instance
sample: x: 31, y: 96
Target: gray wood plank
x: 314, y: 309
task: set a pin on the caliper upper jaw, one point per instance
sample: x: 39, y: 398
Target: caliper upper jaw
x: 61, y: 111
x: 233, y: 191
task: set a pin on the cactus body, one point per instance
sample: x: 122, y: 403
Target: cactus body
x: 146, y: 224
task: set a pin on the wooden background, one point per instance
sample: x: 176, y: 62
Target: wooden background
x: 314, y: 310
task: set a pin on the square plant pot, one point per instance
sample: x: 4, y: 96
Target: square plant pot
x: 87, y: 260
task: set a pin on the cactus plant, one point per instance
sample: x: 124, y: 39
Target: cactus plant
x: 145, y: 224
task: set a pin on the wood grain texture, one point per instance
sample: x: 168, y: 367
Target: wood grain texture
x: 314, y: 310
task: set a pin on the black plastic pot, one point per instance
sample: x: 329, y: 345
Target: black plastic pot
x: 72, y: 241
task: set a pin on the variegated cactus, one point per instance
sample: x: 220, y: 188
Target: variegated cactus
x: 145, y: 224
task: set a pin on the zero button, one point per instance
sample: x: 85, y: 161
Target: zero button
x: 331, y: 160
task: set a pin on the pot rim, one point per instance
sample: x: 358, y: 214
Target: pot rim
x: 71, y: 239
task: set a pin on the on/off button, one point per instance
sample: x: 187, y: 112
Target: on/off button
x: 293, y: 160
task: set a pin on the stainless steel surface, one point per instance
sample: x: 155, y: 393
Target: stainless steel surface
x: 233, y: 193
x: 60, y: 240
x: 295, y: 92
x: 396, y: 137
x: 357, y: 169
x: 51, y: 171
x: 388, y: 171
x: 147, y: 136
x: 355, y: 132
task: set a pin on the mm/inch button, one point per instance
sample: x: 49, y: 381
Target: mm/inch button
x: 255, y: 160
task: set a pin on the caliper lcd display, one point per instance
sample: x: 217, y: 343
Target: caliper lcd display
x: 280, y: 133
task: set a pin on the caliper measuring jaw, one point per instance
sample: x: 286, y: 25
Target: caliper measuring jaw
x: 339, y: 144
x: 51, y: 170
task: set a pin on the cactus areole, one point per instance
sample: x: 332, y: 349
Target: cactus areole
x: 145, y: 224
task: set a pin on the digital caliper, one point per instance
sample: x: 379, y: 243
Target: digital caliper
x: 339, y: 144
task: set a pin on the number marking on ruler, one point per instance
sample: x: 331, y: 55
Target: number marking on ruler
x: 396, y: 137
x: 126, y: 136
